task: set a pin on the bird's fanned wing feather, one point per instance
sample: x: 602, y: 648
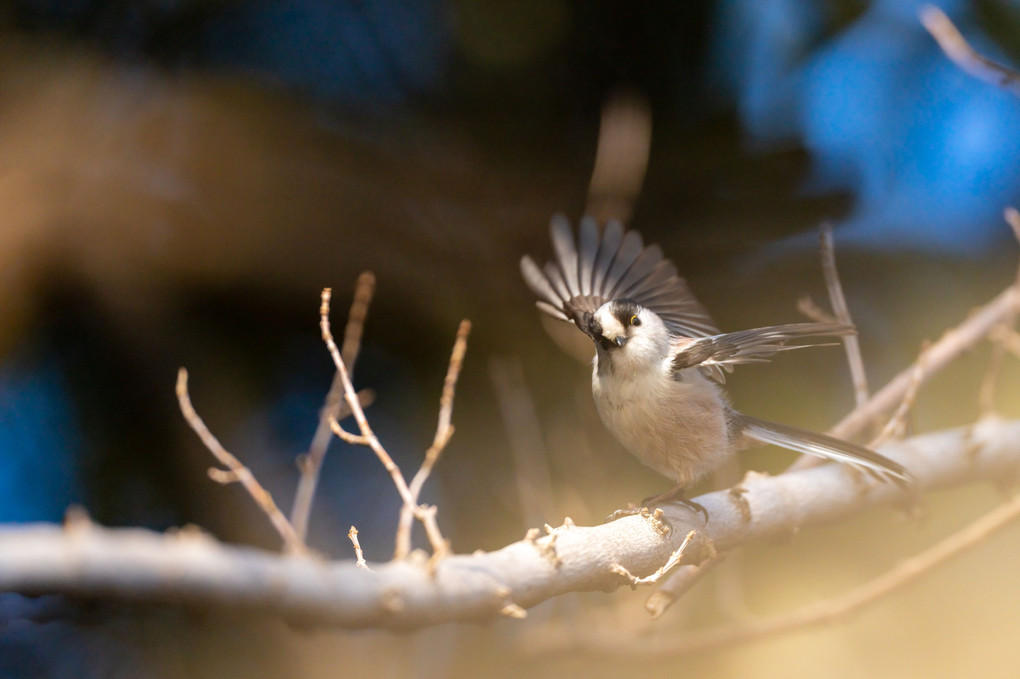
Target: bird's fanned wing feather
x: 615, y: 265
x: 749, y: 346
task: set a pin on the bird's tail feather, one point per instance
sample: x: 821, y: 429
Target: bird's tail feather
x: 828, y: 447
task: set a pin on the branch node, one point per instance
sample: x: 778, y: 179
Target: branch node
x: 547, y: 548
x: 512, y: 610
x: 737, y: 498
x: 223, y: 476
x: 657, y: 519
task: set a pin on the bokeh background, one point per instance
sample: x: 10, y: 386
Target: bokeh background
x: 180, y: 178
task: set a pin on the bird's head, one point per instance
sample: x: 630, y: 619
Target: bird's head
x: 624, y: 331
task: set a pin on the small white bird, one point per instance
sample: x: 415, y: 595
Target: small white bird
x: 660, y: 360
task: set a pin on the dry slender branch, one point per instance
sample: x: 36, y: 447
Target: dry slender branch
x: 235, y: 472
x: 367, y: 437
x: 409, y: 494
x: 952, y: 343
x: 897, y: 424
x: 665, y: 568
x: 679, y: 584
x: 188, y: 569
x: 963, y: 55
x: 842, y: 311
x: 334, y: 408
x: 444, y: 431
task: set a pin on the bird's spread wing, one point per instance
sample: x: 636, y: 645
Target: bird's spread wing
x: 613, y: 265
x: 717, y: 352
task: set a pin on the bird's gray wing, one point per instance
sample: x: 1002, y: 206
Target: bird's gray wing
x: 615, y: 264
x: 715, y: 353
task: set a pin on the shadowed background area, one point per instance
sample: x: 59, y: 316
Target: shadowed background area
x: 178, y: 181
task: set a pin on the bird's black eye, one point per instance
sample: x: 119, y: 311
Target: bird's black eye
x: 634, y: 320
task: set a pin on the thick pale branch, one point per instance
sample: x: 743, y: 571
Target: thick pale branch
x: 191, y: 569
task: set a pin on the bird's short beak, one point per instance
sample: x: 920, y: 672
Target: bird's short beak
x: 620, y: 340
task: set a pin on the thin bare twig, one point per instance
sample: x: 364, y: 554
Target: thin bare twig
x: 842, y: 311
x: 671, y: 563
x: 680, y: 583
x: 444, y: 431
x: 235, y: 471
x: 334, y: 407
x: 352, y: 535
x: 367, y: 437
x: 897, y: 424
x: 809, y: 308
x: 963, y: 55
x: 952, y: 343
x: 425, y: 514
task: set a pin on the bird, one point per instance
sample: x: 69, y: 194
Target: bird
x: 660, y: 361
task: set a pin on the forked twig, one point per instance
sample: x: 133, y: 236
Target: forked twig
x: 952, y: 343
x: 671, y: 562
x: 367, y: 436
x: 235, y: 471
x: 426, y: 515
x: 334, y: 407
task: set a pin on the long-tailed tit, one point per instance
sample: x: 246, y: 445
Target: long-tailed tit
x: 660, y: 360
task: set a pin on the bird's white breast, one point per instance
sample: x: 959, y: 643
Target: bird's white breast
x: 676, y: 427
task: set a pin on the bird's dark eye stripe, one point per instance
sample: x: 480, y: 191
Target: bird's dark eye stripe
x: 626, y: 311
